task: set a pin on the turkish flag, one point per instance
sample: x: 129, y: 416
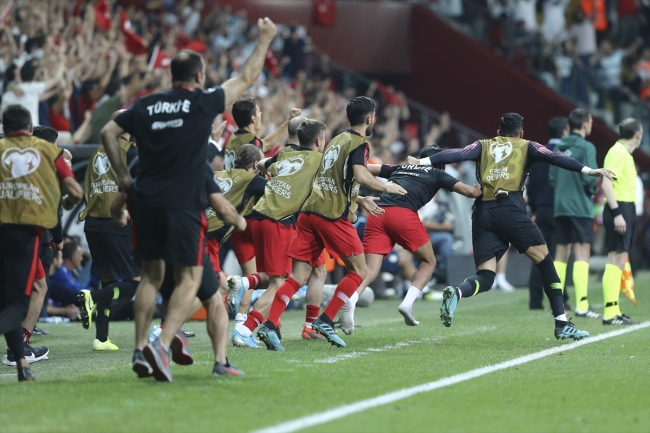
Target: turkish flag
x: 324, y: 12
x: 133, y: 42
x: 196, y: 45
x: 103, y: 15
x: 159, y: 59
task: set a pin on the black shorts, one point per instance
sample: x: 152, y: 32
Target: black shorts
x: 112, y: 254
x: 173, y: 235
x: 209, y: 281
x: 613, y: 241
x: 494, y: 228
x: 19, y: 251
x: 573, y: 230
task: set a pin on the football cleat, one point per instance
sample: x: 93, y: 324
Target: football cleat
x: 226, y: 369
x: 570, y: 331
x: 589, y: 314
x: 621, y: 319
x: 346, y: 318
x: 99, y: 346
x: 235, y: 286
x: 407, y: 313
x: 310, y: 334
x: 269, y: 336
x: 449, y: 304
x: 87, y: 308
x: 239, y: 340
x: 326, y: 330
x: 158, y: 358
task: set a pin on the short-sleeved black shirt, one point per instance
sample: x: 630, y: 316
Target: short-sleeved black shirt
x: 172, y: 129
x: 421, y: 182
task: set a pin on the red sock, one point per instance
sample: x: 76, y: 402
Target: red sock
x: 282, y: 299
x: 346, y: 288
x: 253, y: 320
x: 26, y: 335
x: 312, y: 313
x: 254, y: 281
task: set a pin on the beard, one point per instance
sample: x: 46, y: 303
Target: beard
x: 369, y: 130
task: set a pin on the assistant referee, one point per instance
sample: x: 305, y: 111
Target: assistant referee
x: 619, y: 216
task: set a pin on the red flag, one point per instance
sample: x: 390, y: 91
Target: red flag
x: 132, y: 41
x: 389, y: 97
x: 271, y: 63
x: 6, y: 12
x: 103, y: 15
x: 196, y: 45
x: 159, y: 59
x: 324, y: 12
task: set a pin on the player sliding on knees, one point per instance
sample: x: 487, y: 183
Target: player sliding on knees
x: 499, y: 217
x: 172, y: 128
x: 400, y: 224
x: 324, y: 222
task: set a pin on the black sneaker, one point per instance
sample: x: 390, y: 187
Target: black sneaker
x: 158, y: 358
x: 30, y: 354
x: 26, y: 375
x: 189, y: 334
x: 621, y: 319
x: 39, y: 332
x: 140, y: 365
x: 226, y: 369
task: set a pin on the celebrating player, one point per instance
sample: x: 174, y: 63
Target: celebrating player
x: 500, y: 218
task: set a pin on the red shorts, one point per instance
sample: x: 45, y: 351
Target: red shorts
x: 40, y: 271
x: 320, y: 261
x: 397, y: 225
x: 242, y: 244
x: 314, y: 233
x: 272, y: 240
x: 213, y: 252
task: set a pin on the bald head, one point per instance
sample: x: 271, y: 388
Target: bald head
x: 185, y: 66
x: 293, y: 126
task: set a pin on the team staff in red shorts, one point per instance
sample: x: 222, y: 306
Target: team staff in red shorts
x: 324, y: 221
x: 400, y: 224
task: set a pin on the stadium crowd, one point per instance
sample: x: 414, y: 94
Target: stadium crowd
x: 75, y: 66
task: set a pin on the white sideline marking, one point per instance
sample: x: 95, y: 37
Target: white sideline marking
x: 360, y: 406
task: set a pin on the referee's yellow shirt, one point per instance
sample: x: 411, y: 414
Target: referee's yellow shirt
x: 621, y: 162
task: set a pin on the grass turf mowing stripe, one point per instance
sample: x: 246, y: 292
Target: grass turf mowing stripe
x: 360, y: 406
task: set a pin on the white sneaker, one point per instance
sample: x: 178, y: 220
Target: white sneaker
x: 235, y: 285
x: 346, y: 318
x: 504, y: 285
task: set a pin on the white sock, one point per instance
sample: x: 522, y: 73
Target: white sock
x: 240, y: 318
x: 307, y: 325
x: 411, y: 296
x: 243, y: 330
x: 245, y: 283
x: 562, y: 318
x: 353, y: 299
x: 501, y: 276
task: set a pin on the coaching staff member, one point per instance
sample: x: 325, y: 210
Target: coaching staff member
x: 172, y: 128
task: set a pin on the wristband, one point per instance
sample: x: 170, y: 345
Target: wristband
x: 585, y: 170
x: 616, y: 211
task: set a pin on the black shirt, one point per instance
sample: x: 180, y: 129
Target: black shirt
x: 421, y: 182
x: 254, y: 191
x: 172, y: 129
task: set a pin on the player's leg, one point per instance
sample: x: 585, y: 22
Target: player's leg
x: 373, y: 266
x: 36, y: 300
x: 314, y: 297
x: 153, y: 272
x: 188, y: 280
x: 582, y: 253
x: 427, y: 263
x: 563, y: 235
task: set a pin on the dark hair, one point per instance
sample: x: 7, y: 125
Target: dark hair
x: 10, y: 73
x: 16, y: 118
x: 185, y: 65
x: 28, y: 71
x: 69, y: 249
x: 358, y: 108
x: 511, y: 124
x: 247, y: 155
x: 628, y: 127
x: 430, y: 150
x: 556, y: 126
x: 309, y: 130
x: 242, y: 111
x: 578, y: 117
x: 293, y: 126
x: 46, y: 133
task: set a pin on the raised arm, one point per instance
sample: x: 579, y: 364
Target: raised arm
x: 235, y: 87
x: 272, y: 139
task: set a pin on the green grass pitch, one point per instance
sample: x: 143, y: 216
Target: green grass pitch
x: 599, y: 387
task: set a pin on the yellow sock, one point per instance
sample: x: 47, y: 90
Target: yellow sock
x: 611, y: 290
x: 581, y: 283
x: 560, y: 268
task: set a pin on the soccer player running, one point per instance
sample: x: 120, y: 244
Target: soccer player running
x: 248, y: 117
x: 31, y: 177
x: 324, y: 222
x: 108, y: 242
x: 400, y: 224
x: 499, y: 216
x: 619, y: 217
x: 574, y: 209
x: 273, y: 219
x: 172, y: 128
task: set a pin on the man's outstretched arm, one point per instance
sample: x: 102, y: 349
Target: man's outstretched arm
x: 471, y: 152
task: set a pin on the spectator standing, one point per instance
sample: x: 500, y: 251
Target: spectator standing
x: 554, y: 24
x: 574, y: 209
x: 293, y: 52
x: 525, y: 12
x: 541, y: 202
